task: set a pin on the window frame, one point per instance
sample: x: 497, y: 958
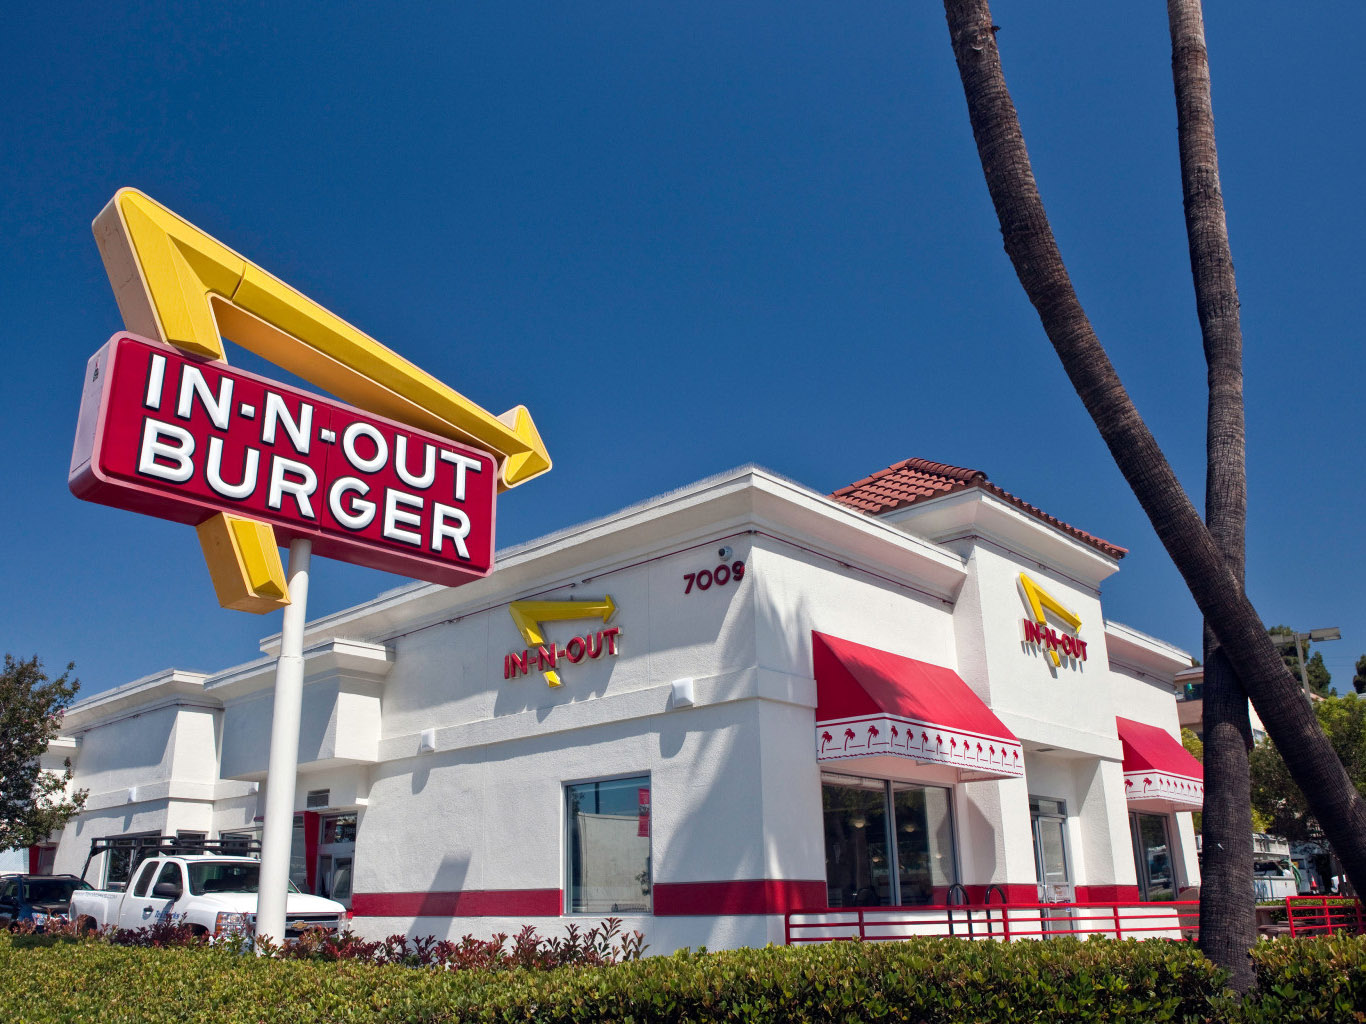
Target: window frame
x: 566, y: 903
x: 141, y: 883
x: 172, y: 869
x: 889, y: 812
x: 1141, y: 865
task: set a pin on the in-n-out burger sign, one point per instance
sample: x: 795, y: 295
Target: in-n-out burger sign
x: 183, y: 438
x: 180, y: 286
x: 1039, y: 633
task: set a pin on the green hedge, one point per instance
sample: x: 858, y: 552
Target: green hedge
x: 1309, y: 980
x: 937, y: 981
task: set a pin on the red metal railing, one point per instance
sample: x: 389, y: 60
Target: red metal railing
x: 1178, y: 919
x: 1322, y: 915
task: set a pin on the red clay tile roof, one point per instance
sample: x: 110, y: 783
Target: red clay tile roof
x: 913, y: 480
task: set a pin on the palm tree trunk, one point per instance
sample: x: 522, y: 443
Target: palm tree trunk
x: 1217, y: 591
x: 1227, y: 920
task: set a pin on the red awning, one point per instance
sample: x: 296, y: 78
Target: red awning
x: 871, y: 703
x: 1158, y: 770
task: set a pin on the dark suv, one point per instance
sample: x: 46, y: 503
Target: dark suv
x: 36, y: 898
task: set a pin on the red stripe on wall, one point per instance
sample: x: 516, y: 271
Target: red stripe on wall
x: 467, y: 903
x: 33, y: 854
x: 1107, y: 894
x: 1016, y: 892
x: 744, y: 896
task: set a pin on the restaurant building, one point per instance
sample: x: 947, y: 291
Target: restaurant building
x: 699, y: 714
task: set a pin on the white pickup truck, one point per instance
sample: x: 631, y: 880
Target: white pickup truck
x: 212, y: 893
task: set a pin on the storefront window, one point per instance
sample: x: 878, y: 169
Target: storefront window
x: 924, y: 841
x: 608, y: 846
x: 1152, y: 856
x: 239, y: 844
x: 339, y: 828
x: 863, y: 866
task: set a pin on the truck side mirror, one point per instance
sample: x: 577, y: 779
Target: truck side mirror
x: 166, y: 891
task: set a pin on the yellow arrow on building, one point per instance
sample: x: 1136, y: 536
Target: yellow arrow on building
x: 177, y: 284
x: 528, y: 616
x: 1040, y: 601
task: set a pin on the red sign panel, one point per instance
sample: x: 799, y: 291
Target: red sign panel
x: 643, y: 811
x: 170, y: 435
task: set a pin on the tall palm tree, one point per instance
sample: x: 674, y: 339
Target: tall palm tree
x: 1227, y: 919
x: 1217, y: 590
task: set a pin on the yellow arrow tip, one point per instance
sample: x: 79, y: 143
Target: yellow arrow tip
x: 610, y: 610
x: 522, y: 466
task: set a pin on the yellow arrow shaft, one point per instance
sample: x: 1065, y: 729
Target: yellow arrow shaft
x: 558, y: 611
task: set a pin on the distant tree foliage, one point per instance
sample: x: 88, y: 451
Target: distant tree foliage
x: 33, y: 803
x: 1320, y: 679
x: 1275, y: 797
x: 1192, y: 743
x: 1359, y: 680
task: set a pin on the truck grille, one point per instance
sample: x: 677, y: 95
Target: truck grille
x: 300, y: 923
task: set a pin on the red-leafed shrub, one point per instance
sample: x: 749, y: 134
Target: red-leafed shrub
x: 600, y: 945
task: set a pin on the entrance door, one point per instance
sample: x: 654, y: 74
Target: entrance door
x: 1152, y: 856
x: 336, y: 856
x: 1049, y: 819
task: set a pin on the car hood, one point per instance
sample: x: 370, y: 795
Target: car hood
x: 50, y: 906
x: 245, y: 903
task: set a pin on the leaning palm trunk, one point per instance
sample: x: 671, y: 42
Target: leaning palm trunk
x: 1227, y: 920
x: 1217, y: 591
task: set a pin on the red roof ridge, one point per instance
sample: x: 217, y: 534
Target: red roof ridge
x: 910, y: 481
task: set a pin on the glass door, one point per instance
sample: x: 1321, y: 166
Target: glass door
x: 1049, y: 820
x: 1152, y: 856
x: 336, y: 856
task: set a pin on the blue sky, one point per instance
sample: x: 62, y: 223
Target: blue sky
x: 689, y: 236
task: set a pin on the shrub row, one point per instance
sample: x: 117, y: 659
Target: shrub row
x: 936, y: 981
x: 598, y: 946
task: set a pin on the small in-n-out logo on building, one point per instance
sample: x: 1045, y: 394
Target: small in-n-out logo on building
x: 1042, y: 636
x: 545, y: 655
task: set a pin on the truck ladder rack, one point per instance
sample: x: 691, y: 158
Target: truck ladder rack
x: 142, y: 847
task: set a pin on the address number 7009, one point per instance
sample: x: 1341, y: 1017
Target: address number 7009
x: 719, y: 576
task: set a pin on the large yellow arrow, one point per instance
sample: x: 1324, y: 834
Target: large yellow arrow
x: 1041, y: 600
x: 528, y: 616
x: 175, y: 283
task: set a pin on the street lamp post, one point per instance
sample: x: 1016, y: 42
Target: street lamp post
x: 1298, y: 639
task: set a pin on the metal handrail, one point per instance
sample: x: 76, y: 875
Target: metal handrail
x: 1323, y: 914
x: 1171, y: 919
x: 1005, y: 917
x: 958, y: 889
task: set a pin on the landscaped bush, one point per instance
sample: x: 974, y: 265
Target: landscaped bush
x: 54, y: 977
x: 599, y: 946
x: 932, y: 980
x: 1321, y: 979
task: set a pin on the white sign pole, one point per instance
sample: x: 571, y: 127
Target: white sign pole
x: 278, y: 836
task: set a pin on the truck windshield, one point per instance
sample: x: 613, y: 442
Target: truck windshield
x: 226, y: 877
